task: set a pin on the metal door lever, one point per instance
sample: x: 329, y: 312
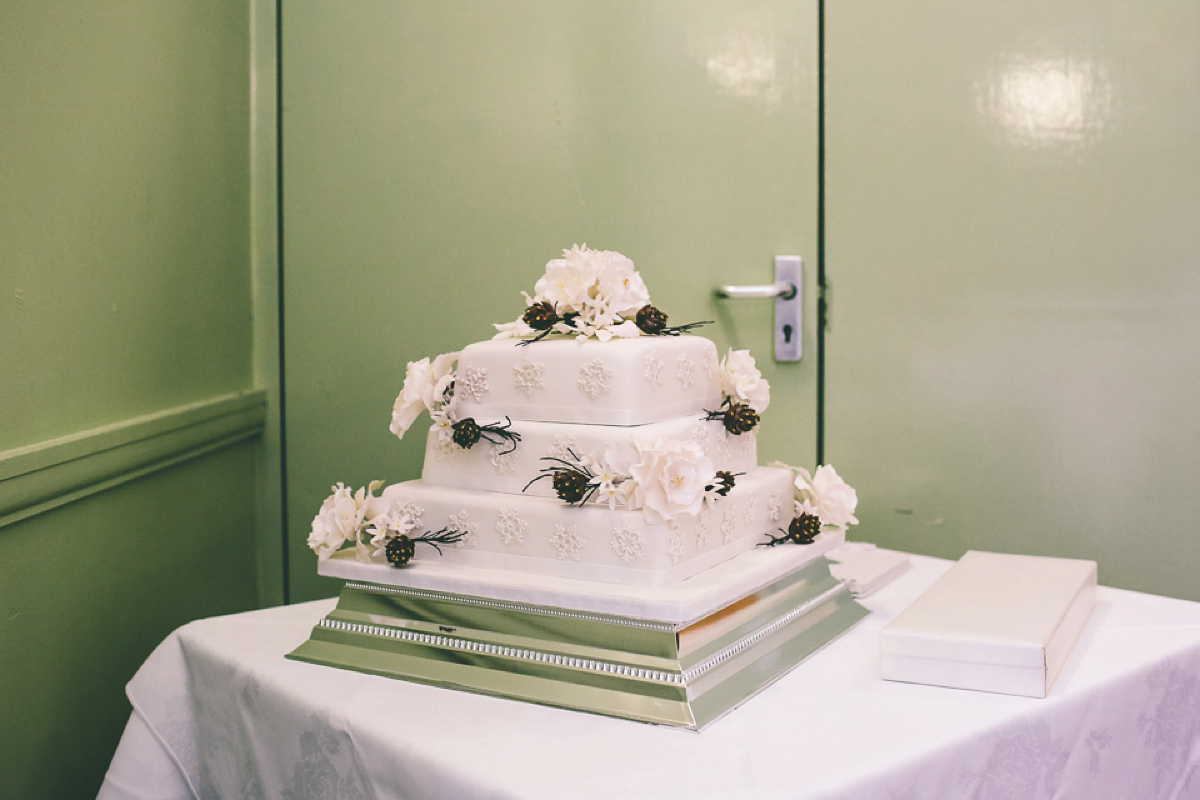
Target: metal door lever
x: 784, y: 290
x: 789, y: 303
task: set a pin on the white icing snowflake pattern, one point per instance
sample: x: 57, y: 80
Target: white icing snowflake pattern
x: 567, y: 542
x: 775, y: 505
x: 747, y: 443
x: 472, y: 381
x: 409, y: 509
x: 654, y: 371
x: 710, y: 364
x: 563, y: 447
x: 529, y: 376
x: 628, y: 543
x: 749, y: 511
x: 727, y: 527
x: 700, y: 437
x: 511, y: 527
x: 685, y: 372
x: 594, y: 378
x: 675, y: 542
x: 462, y: 522
x: 723, y: 445
x: 702, y: 525
x: 504, y: 463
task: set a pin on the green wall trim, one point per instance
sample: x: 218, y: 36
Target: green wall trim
x: 49, y: 474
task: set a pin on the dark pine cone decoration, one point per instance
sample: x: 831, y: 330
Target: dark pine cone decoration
x: 650, y: 320
x: 540, y: 316
x: 466, y: 433
x: 804, y: 529
x: 724, y: 482
x: 570, y: 485
x: 399, y: 551
x: 740, y: 418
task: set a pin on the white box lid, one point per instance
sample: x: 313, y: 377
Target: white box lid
x: 993, y: 608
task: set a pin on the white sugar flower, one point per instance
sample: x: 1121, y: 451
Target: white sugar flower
x: 742, y: 382
x: 828, y: 496
x: 611, y: 475
x: 569, y: 280
x: 619, y: 284
x: 442, y: 433
x: 411, y: 400
x: 425, y: 387
x: 670, y: 479
x: 344, y: 516
x: 442, y: 375
x: 599, y: 290
x: 517, y: 329
x: 335, y: 523
x: 388, y: 526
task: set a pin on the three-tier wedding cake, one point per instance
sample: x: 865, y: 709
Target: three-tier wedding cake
x: 593, y: 460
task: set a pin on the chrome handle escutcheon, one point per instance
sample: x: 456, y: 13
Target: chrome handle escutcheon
x: 788, y: 292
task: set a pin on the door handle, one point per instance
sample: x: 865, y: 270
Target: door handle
x: 788, y: 291
x: 785, y: 290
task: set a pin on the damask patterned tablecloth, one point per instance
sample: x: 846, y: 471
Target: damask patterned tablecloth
x: 219, y: 713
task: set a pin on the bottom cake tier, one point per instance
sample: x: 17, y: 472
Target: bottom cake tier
x: 545, y: 536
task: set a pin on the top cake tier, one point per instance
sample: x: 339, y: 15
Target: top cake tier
x: 618, y: 382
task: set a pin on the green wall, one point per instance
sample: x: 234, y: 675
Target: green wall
x: 125, y: 350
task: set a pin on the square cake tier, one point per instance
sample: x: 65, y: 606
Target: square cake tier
x: 546, y: 536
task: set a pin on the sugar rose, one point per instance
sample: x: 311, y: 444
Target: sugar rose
x: 425, y: 386
x: 831, y: 497
x: 336, y: 522
x: 670, y: 478
x: 742, y: 382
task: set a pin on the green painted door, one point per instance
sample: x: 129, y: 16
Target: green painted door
x: 436, y: 155
x: 1012, y: 236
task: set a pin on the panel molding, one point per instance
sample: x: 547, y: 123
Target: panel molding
x: 43, y: 476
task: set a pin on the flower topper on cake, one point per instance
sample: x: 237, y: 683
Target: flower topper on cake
x: 746, y: 393
x: 665, y: 480
x: 590, y: 294
x: 822, y: 500
x: 349, y: 516
x: 430, y: 386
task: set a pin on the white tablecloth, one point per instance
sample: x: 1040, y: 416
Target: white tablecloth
x: 219, y: 713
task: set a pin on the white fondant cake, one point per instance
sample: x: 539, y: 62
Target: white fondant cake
x: 618, y: 382
x: 489, y: 467
x: 588, y: 440
x: 547, y: 536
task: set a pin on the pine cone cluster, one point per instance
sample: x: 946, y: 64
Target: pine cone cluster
x: 570, y: 485
x: 466, y: 433
x: 399, y: 551
x: 540, y: 316
x: 650, y: 320
x: 740, y: 418
x: 804, y: 529
x: 724, y: 482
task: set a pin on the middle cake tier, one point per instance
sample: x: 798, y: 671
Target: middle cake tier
x: 545, y: 536
x: 510, y: 466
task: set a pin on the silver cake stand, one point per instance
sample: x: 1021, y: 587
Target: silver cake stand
x: 682, y: 654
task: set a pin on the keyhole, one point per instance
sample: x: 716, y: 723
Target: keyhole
x: 787, y: 334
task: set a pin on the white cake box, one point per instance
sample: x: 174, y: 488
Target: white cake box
x: 993, y: 622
